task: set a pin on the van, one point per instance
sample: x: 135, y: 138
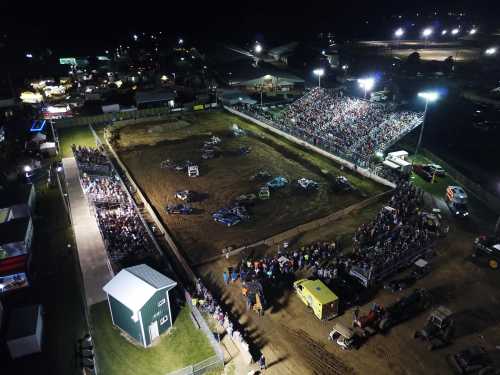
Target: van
x: 316, y: 295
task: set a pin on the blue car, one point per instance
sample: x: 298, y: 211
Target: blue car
x: 277, y: 182
x: 179, y: 209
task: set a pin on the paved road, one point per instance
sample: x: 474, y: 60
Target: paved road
x: 91, y: 252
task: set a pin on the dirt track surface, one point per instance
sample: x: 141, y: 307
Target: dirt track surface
x: 224, y: 178
x: 295, y: 342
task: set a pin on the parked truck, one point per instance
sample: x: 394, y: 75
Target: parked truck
x: 317, y: 296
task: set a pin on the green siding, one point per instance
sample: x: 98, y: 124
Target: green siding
x: 122, y: 317
x: 151, y: 312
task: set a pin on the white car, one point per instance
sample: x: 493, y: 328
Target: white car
x: 437, y: 169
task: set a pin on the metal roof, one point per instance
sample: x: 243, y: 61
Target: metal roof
x: 23, y: 322
x: 134, y: 286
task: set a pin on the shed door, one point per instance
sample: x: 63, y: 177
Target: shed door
x: 153, y: 330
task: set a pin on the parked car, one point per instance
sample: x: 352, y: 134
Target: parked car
x: 180, y: 209
x: 436, y: 169
x: 473, y: 360
x: 422, y: 172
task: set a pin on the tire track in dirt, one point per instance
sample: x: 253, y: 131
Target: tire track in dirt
x: 321, y: 361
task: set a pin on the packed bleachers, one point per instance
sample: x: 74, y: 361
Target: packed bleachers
x: 125, y: 236
x: 91, y: 160
x: 350, y: 127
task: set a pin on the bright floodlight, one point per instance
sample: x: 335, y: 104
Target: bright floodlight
x: 399, y: 32
x: 430, y: 96
x: 455, y: 31
x: 27, y: 168
x: 345, y: 67
x: 427, y: 32
x: 491, y: 51
x: 136, y: 37
x: 258, y: 48
x: 472, y: 31
x: 319, y: 72
x: 366, y: 83
x: 29, y: 55
x: 444, y: 32
x: 181, y: 41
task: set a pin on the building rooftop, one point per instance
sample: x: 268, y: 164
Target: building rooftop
x: 134, y: 286
x: 14, y: 230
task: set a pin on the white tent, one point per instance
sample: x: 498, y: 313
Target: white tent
x: 49, y: 148
x: 39, y: 137
x: 24, y: 331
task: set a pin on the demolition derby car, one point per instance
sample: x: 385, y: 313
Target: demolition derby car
x: 307, y: 185
x: 261, y: 175
x: 245, y: 199
x: 277, y: 182
x: 473, y: 360
x: 179, y: 209
x: 185, y: 195
x: 343, y: 184
x: 230, y: 216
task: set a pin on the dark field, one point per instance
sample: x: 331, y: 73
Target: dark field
x: 143, y: 147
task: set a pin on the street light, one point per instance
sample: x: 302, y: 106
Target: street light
x: 27, y: 168
x: 491, y: 51
x: 455, y: 31
x: 472, y: 31
x: 258, y: 48
x: 366, y: 84
x: 181, y: 41
x: 399, y: 33
x: 319, y: 72
x: 428, y: 96
x: 444, y: 32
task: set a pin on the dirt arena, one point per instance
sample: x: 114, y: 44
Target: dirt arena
x: 295, y: 342
x: 144, y: 147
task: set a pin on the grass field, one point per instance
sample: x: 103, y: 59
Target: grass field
x: 183, y: 345
x: 80, y: 135
x: 143, y: 147
x: 438, y: 187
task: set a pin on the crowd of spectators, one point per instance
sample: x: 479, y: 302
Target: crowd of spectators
x: 207, y: 303
x: 91, y: 160
x: 122, y: 229
x: 351, y: 127
x: 399, y: 230
x: 103, y: 189
x: 123, y: 232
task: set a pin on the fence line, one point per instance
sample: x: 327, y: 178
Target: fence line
x: 362, y: 171
x: 180, y: 258
x: 302, y: 228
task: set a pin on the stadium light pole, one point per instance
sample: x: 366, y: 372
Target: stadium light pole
x: 426, y: 33
x: 366, y: 84
x: 491, y: 51
x: 398, y: 34
x: 428, y: 96
x: 319, y: 72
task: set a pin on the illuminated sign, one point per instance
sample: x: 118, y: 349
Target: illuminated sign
x: 67, y: 61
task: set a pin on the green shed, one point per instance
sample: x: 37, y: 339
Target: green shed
x: 139, y: 302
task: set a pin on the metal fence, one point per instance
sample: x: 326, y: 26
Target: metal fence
x: 199, y: 368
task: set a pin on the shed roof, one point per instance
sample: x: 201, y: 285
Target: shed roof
x: 15, y: 195
x: 23, y: 322
x: 134, y: 286
x: 14, y: 230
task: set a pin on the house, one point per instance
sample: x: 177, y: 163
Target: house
x: 15, y: 244
x: 16, y: 203
x: 139, y: 303
x: 15, y: 237
x: 24, y: 331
